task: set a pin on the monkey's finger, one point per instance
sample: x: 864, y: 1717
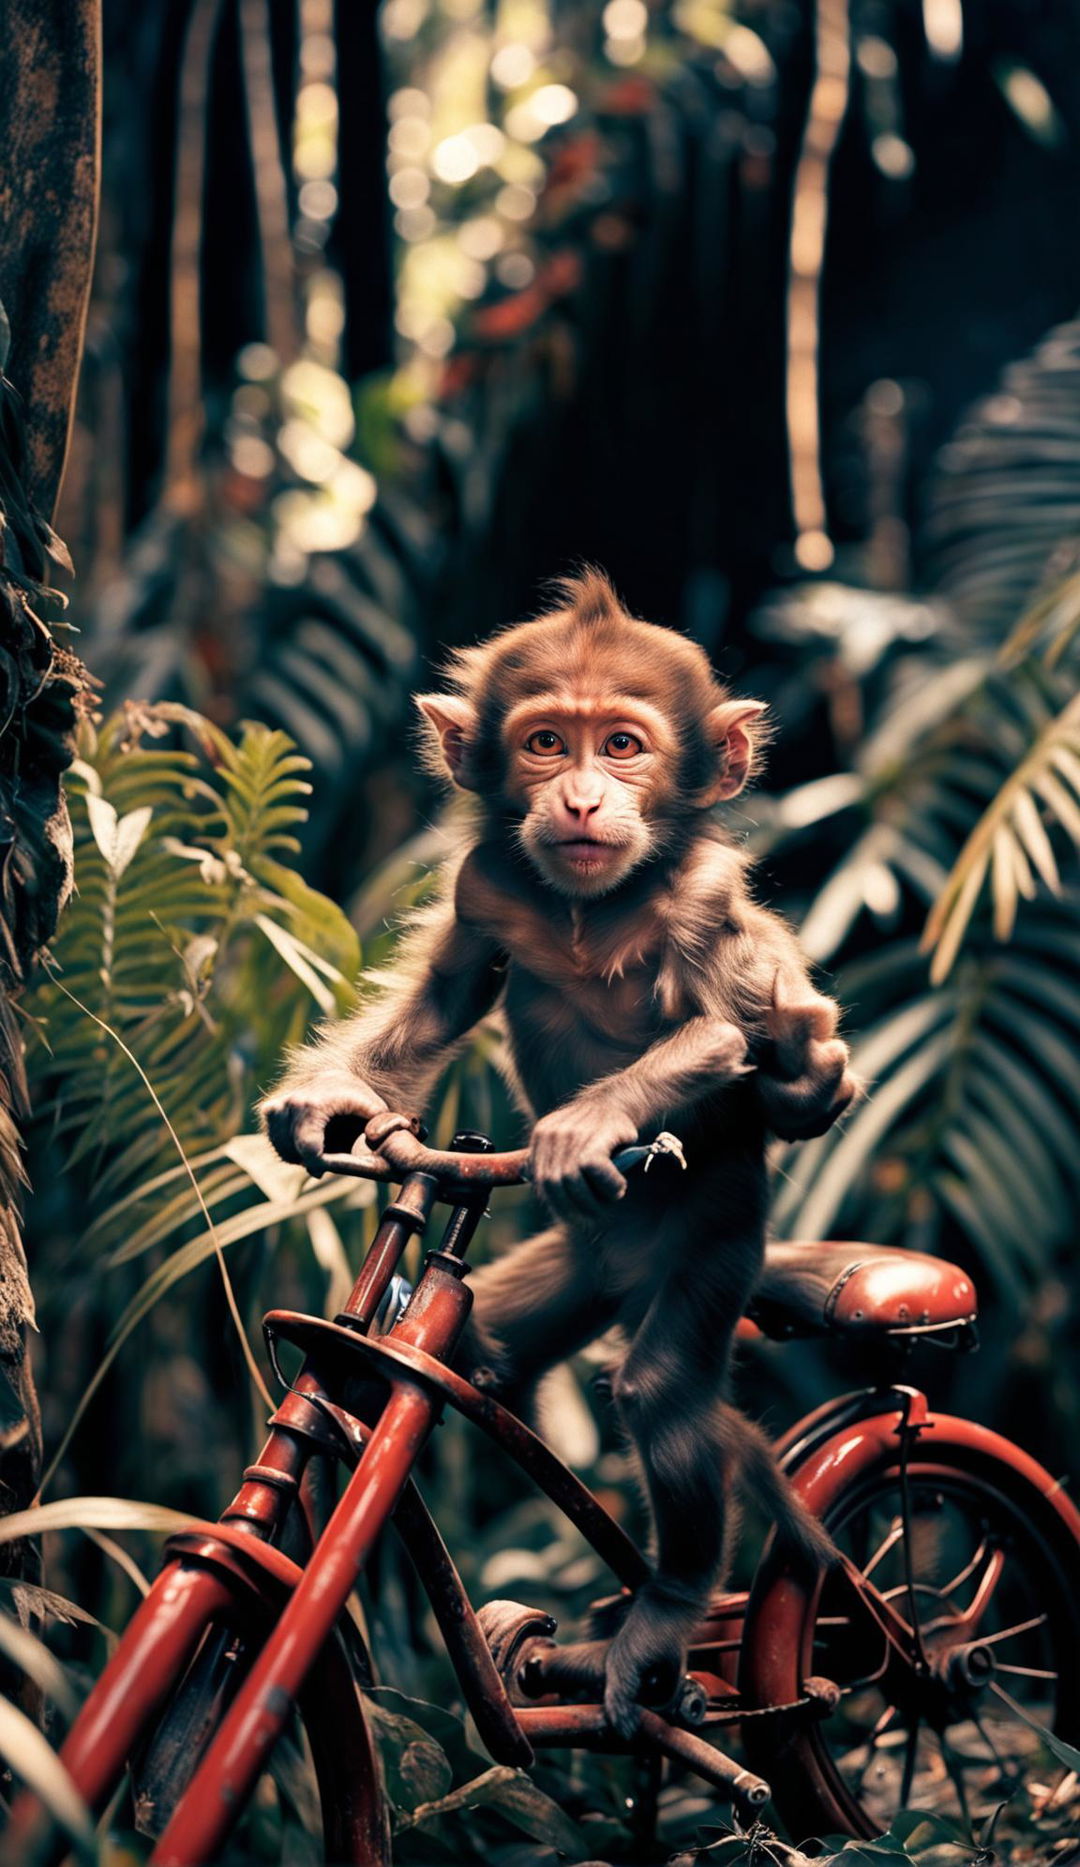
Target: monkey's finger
x: 807, y: 1107
x: 796, y: 1018
x: 594, y: 1186
x: 309, y: 1139
x: 570, y: 1200
x: 280, y: 1123
x: 605, y: 1180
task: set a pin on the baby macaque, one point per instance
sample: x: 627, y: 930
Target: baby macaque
x: 597, y: 901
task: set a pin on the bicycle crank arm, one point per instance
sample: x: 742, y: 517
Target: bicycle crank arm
x: 587, y: 1726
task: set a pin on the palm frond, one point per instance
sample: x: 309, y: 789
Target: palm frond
x: 1010, y: 843
x: 974, y: 1103
x: 1003, y: 515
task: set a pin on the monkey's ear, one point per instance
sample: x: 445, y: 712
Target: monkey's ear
x: 450, y: 724
x: 730, y: 729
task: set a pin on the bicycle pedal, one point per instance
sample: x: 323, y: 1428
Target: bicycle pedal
x: 515, y: 1633
x: 692, y: 1702
x: 824, y: 1695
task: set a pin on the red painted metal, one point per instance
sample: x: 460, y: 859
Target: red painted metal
x: 586, y: 1727
x: 261, y: 1710
x: 817, y: 1288
x: 535, y: 1458
x: 400, y: 1153
x: 407, y: 1215
x: 356, y: 1829
x: 463, y: 1637
x: 228, y: 1773
x: 157, y: 1646
x: 775, y: 1652
x: 714, y: 1645
x: 234, y: 1568
x: 468, y: 1651
x: 159, y: 1642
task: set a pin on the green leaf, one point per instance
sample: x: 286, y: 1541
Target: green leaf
x: 416, y: 1767
x: 300, y: 959
x: 515, y: 1796
x: 916, y: 1829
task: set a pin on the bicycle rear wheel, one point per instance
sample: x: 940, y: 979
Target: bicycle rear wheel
x: 988, y: 1566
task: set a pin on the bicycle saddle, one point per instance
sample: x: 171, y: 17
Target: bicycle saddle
x: 819, y: 1289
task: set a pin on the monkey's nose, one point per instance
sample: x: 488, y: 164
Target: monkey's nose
x: 581, y: 808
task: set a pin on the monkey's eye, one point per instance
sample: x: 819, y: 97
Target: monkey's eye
x: 548, y: 744
x: 623, y: 745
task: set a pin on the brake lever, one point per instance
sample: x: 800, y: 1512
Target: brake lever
x: 664, y: 1145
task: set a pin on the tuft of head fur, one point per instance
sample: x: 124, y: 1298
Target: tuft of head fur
x: 590, y: 596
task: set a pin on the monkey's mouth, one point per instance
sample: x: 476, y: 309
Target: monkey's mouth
x: 589, y: 850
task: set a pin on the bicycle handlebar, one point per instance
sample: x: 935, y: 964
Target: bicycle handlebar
x: 391, y: 1148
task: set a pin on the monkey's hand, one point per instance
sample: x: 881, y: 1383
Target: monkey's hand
x: 804, y: 1081
x: 325, y: 1116
x: 570, y: 1161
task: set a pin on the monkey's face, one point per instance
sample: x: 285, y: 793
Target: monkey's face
x: 599, y: 739
x: 589, y: 777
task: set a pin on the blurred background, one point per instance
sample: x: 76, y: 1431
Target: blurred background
x: 768, y: 308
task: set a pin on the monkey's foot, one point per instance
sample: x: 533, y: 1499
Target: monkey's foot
x: 646, y: 1661
x: 575, y: 1671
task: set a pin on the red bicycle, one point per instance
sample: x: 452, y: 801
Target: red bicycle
x: 941, y: 1651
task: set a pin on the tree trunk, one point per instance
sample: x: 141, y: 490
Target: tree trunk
x: 49, y: 132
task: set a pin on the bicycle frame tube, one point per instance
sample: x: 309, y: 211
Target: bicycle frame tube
x: 185, y: 1600
x: 433, y: 1321
x: 411, y: 1364
x: 156, y: 1648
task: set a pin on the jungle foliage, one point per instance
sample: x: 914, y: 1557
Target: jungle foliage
x: 277, y: 539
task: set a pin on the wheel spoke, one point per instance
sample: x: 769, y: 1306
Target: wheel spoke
x: 858, y: 1685
x: 983, y: 1595
x: 1018, y: 1711
x: 968, y: 1570
x: 1006, y: 1633
x: 909, y: 1530
x: 909, y: 1562
x: 889, y: 1541
x: 879, y: 1730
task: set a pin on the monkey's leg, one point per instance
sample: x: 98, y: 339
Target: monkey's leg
x: 669, y: 1392
x: 531, y: 1309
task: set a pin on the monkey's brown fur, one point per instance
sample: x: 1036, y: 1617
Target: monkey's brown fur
x: 597, y: 902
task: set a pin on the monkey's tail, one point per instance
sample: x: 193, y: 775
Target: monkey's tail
x: 795, y: 1524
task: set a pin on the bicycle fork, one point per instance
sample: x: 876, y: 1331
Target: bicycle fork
x: 238, y: 1753
x: 188, y: 1597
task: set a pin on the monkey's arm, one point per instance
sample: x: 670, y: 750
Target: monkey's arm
x: 571, y: 1161
x: 803, y: 1080
x: 390, y: 1054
